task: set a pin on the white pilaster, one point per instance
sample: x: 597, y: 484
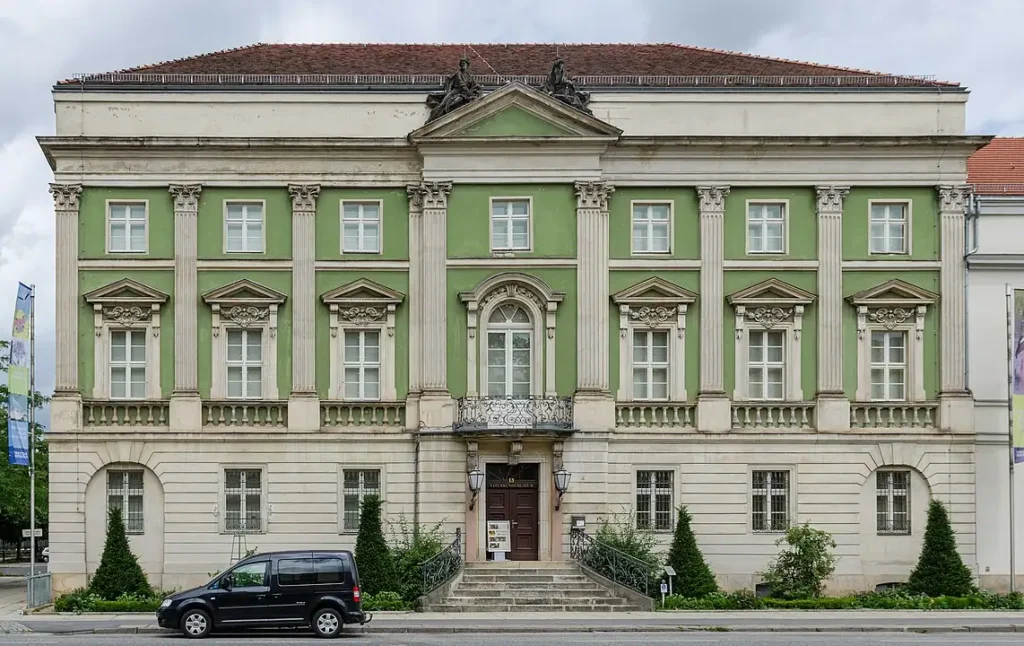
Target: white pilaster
x: 415, y: 304
x: 186, y: 407
x: 833, y: 408
x: 957, y: 408
x: 592, y: 283
x: 436, y: 408
x: 303, y: 405
x: 713, y: 409
x: 65, y: 408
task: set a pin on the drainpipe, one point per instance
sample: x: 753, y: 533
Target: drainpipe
x: 971, y: 229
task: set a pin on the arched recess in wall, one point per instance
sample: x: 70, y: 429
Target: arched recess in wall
x: 893, y: 511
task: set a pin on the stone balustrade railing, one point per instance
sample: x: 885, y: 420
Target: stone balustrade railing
x: 262, y: 414
x: 155, y: 413
x: 655, y: 414
x: 894, y: 415
x: 362, y: 414
x: 765, y: 414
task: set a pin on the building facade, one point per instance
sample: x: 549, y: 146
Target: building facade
x: 283, y: 288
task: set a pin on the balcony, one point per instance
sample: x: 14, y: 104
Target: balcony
x: 513, y: 415
x: 100, y: 414
x: 767, y: 414
x: 250, y: 414
x: 362, y: 414
x: 879, y: 415
x: 655, y: 415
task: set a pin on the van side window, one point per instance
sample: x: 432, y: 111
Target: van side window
x: 330, y: 570
x: 295, y: 572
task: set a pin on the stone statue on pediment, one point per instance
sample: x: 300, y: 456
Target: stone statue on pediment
x: 459, y: 89
x: 559, y: 86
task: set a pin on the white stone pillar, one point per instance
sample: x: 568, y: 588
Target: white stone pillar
x: 415, y: 304
x: 833, y: 408
x: 65, y: 407
x: 957, y: 407
x: 436, y: 408
x: 186, y: 406
x: 713, y: 408
x: 594, y: 407
x: 303, y: 405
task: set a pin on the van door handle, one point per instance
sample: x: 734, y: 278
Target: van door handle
x: 277, y: 596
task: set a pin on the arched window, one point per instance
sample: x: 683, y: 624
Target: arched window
x: 509, y: 349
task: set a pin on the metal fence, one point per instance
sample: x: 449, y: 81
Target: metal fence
x: 37, y: 590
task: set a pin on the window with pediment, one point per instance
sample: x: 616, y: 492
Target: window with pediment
x: 126, y: 324
x: 769, y: 324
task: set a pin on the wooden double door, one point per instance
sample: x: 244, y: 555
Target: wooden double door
x: 512, y: 495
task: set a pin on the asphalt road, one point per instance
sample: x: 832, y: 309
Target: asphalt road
x: 568, y: 639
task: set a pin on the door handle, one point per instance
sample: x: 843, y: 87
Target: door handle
x: 515, y: 523
x: 276, y: 596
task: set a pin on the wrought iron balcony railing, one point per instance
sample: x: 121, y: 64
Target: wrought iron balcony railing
x: 511, y: 413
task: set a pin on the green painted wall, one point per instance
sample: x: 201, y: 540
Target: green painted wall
x: 89, y: 280
x: 277, y: 222
x: 801, y: 224
x: 619, y: 280
x: 924, y: 223
x: 685, y: 224
x: 856, y: 281
x: 559, y: 280
x: 92, y: 221
x: 553, y: 219
x: 279, y: 280
x: 328, y: 280
x: 512, y: 122
x: 395, y: 223
x: 807, y: 280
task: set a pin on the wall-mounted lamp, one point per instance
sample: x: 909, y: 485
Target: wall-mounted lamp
x: 476, y: 483
x: 562, y: 478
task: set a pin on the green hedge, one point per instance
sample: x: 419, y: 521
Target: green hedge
x: 384, y: 601
x: 892, y: 600
x: 82, y: 600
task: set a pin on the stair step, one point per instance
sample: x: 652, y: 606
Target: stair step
x: 446, y: 607
x: 535, y: 601
x: 540, y: 587
x: 525, y: 578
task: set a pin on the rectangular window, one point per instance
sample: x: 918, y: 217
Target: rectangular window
x: 650, y: 365
x: 766, y: 365
x: 766, y: 228
x: 295, y: 572
x: 651, y: 228
x: 127, y: 228
x: 127, y: 364
x: 888, y: 366
x: 888, y: 228
x: 508, y: 363
x: 358, y: 484
x: 893, y: 495
x: 362, y: 364
x: 245, y: 364
x: 654, y: 500
x: 243, y: 500
x: 124, y: 494
x: 510, y: 225
x: 329, y: 570
x: 360, y: 222
x: 770, y: 501
x: 244, y: 227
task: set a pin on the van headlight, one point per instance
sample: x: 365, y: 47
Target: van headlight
x: 166, y: 603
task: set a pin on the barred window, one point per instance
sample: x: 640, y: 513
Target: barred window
x: 124, y: 493
x: 893, y: 496
x: 770, y: 498
x: 243, y: 500
x: 358, y: 484
x: 654, y: 500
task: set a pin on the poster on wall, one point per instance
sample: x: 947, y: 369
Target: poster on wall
x: 1017, y: 361
x: 499, y: 536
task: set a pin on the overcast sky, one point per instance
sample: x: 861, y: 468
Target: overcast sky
x: 976, y: 42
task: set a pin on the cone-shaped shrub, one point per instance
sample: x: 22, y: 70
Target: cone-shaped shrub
x: 940, y: 570
x: 373, y: 558
x: 693, y: 576
x: 119, y: 572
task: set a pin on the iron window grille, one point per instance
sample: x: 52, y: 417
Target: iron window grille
x: 125, y: 494
x: 358, y: 484
x: 654, y: 500
x: 770, y: 498
x: 893, y: 496
x: 243, y: 500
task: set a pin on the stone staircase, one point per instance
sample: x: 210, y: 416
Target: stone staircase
x: 529, y: 586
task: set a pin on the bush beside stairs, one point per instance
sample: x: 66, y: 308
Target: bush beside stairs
x: 529, y: 587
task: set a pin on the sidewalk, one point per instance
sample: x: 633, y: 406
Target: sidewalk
x: 749, y: 621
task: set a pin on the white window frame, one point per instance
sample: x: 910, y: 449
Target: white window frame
x: 244, y: 363
x: 908, y: 226
x: 785, y: 227
x: 128, y: 364
x: 765, y: 365
x: 529, y: 224
x: 633, y: 204
x: 674, y: 491
x: 888, y: 367
x: 125, y: 494
x: 362, y: 364
x: 890, y: 494
x: 145, y: 226
x: 362, y: 221
x: 508, y: 330
x: 790, y: 505
x: 650, y: 365
x: 245, y: 229
x: 222, y: 504
x: 342, y: 468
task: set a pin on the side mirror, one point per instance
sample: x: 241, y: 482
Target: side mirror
x: 226, y: 582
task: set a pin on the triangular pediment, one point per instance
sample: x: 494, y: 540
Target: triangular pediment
x: 126, y: 291
x: 654, y: 291
x: 363, y: 291
x: 771, y: 292
x: 894, y: 292
x: 244, y: 291
x: 516, y: 111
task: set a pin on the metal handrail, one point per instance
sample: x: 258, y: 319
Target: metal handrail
x: 611, y: 563
x: 441, y: 567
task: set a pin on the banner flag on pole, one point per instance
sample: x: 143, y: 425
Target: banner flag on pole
x: 1017, y: 401
x: 18, y: 380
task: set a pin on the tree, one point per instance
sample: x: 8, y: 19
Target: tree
x: 693, y: 576
x: 799, y: 572
x: 373, y: 557
x: 940, y: 571
x: 119, y: 571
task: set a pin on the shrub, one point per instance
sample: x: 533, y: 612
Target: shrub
x: 384, y: 601
x: 799, y: 572
x: 411, y: 547
x: 940, y: 571
x: 693, y: 576
x: 627, y: 538
x: 82, y: 600
x: 119, y: 572
x: 373, y: 558
x: 889, y: 600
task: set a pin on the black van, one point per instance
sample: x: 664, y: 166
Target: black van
x: 319, y: 589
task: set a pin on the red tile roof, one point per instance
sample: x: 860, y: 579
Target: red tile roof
x: 998, y: 168
x: 641, y: 60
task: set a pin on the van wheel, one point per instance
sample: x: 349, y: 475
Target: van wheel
x: 195, y: 624
x: 327, y: 623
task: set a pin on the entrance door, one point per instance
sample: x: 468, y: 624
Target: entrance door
x: 512, y: 495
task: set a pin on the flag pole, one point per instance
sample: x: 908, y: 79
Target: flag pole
x: 1010, y: 337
